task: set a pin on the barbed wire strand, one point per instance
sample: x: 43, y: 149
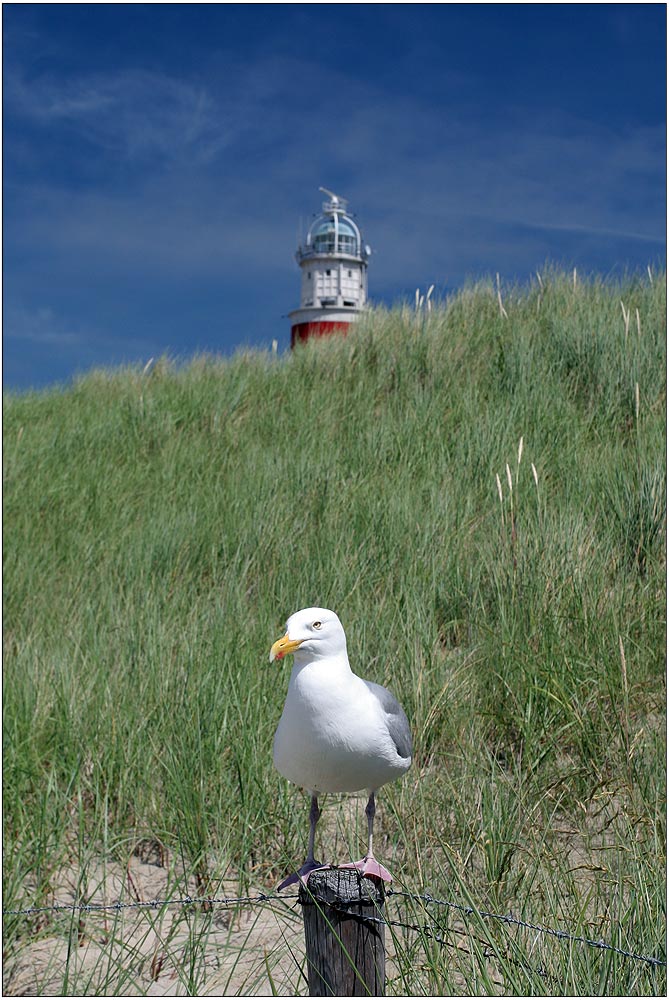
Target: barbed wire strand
x: 508, y: 918
x: 264, y: 897
x: 151, y: 904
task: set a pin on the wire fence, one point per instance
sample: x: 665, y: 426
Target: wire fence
x: 432, y: 930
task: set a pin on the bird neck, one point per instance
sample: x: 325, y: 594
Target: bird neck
x: 308, y: 666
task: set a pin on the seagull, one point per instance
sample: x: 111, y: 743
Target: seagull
x: 338, y: 732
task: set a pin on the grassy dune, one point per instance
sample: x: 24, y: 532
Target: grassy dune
x: 160, y: 527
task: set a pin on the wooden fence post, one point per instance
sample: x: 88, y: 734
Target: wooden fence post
x: 346, y: 955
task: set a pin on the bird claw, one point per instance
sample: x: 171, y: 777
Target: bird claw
x: 302, y: 875
x: 370, y: 868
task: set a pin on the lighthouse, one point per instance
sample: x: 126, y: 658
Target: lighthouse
x: 333, y: 261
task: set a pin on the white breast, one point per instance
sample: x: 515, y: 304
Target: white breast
x: 333, y: 736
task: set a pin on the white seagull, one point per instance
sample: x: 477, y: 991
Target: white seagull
x: 337, y: 733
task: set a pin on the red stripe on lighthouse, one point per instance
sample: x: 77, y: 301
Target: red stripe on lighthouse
x: 320, y: 328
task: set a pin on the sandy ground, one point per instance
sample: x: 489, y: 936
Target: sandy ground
x: 165, y: 952
x: 248, y: 950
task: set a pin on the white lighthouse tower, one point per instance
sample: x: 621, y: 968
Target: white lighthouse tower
x: 333, y: 260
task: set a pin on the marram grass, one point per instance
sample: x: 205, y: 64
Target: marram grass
x: 160, y: 526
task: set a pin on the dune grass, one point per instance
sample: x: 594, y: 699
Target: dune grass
x: 479, y: 492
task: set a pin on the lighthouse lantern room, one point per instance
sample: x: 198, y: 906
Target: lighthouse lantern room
x: 333, y: 260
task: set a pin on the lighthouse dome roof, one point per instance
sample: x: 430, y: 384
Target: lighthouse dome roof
x: 334, y: 233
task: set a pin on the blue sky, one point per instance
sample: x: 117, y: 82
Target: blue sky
x: 158, y: 159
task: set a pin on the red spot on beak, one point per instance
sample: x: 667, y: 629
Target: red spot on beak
x: 280, y: 656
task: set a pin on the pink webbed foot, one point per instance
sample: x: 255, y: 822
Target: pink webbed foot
x: 302, y: 874
x: 371, y: 868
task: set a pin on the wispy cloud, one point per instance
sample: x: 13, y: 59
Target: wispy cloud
x: 45, y: 326
x: 42, y: 343
x: 406, y: 167
x: 133, y: 113
x: 40, y: 326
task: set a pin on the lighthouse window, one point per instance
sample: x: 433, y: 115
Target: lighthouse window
x: 328, y: 273
x: 309, y: 275
x: 325, y: 243
x: 350, y: 274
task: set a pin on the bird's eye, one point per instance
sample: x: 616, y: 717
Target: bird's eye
x: 318, y: 625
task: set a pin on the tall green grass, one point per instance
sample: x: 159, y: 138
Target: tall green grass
x: 161, y: 525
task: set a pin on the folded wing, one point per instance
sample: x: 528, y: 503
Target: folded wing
x: 396, y: 720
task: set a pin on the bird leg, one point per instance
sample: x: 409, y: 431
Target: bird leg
x: 369, y: 865
x: 310, y: 865
x: 314, y: 816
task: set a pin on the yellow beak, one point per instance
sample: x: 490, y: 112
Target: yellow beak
x: 283, y: 646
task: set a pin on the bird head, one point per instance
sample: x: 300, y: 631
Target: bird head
x: 316, y: 631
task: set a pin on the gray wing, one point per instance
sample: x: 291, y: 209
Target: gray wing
x: 398, y: 724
